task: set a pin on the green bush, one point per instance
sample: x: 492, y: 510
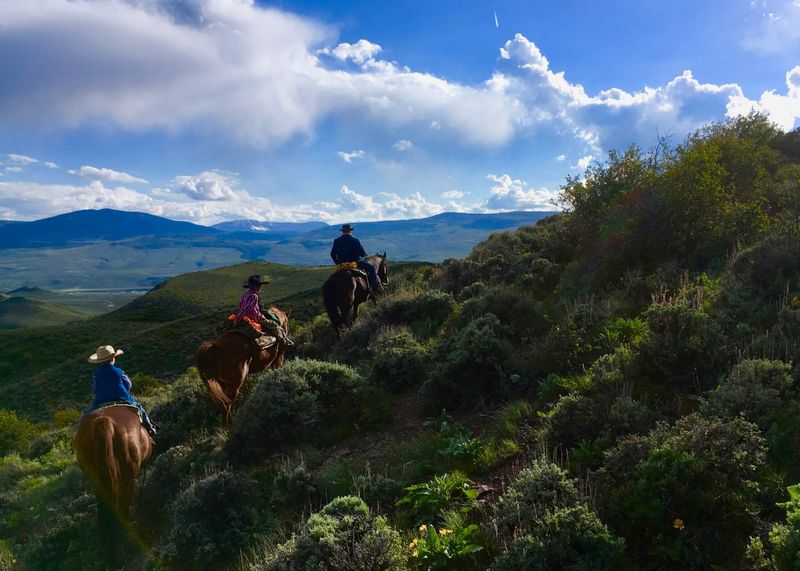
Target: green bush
x: 214, y: 520
x: 7, y: 559
x: 685, y: 494
x: 536, y: 491
x: 343, y: 535
x: 16, y: 433
x: 399, y: 361
x: 470, y: 366
x: 755, y: 390
x: 305, y: 401
x: 684, y: 344
x: 427, y: 311
x: 782, y: 551
x: 164, y: 479
x: 293, y: 487
x: 515, y: 307
x: 188, y: 412
x: 567, y: 538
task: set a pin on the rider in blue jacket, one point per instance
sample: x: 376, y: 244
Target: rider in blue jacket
x: 111, y: 384
x: 347, y: 248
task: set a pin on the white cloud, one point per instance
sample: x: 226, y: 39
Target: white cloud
x: 782, y: 109
x: 348, y: 157
x: 361, y: 52
x: 208, y: 185
x: 513, y: 194
x: 14, y: 169
x: 561, y: 158
x: 585, y: 161
x: 110, y: 175
x: 51, y: 165
x: 403, y: 145
x: 452, y: 195
x: 22, y: 159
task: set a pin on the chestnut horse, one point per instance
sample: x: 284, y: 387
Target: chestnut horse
x: 111, y: 446
x: 345, y: 290
x: 224, y: 363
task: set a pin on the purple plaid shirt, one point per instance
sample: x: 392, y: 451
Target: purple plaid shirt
x: 248, y: 306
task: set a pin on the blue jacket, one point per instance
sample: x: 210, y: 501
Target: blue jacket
x: 346, y: 248
x: 110, y: 383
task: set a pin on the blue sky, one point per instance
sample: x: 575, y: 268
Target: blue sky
x: 210, y: 110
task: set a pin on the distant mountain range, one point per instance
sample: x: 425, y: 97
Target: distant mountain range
x: 117, y: 249
x: 92, y: 226
x: 271, y: 227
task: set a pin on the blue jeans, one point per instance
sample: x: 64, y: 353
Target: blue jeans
x: 372, y: 275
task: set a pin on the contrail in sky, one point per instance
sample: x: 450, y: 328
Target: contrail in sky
x: 496, y: 23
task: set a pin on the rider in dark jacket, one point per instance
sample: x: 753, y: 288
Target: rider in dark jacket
x: 347, y: 248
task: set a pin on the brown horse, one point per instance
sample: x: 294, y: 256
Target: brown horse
x: 345, y: 290
x: 225, y: 362
x: 111, y: 446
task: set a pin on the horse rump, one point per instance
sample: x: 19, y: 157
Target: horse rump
x: 208, y: 356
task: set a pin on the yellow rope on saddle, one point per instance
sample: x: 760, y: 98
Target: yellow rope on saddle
x: 346, y: 266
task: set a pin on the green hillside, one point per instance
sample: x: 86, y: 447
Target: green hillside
x: 44, y: 369
x: 613, y: 388
x: 19, y: 312
x: 87, y: 302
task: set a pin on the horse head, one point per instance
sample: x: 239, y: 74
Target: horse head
x: 383, y: 269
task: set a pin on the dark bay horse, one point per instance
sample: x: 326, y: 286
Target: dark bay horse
x: 225, y: 362
x: 111, y: 446
x: 345, y: 290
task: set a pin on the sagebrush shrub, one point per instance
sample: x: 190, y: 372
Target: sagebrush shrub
x: 755, y: 390
x: 566, y: 538
x: 214, y: 520
x: 343, y: 535
x: 693, y: 484
x: 398, y: 361
x: 536, y: 491
x: 305, y: 401
x: 470, y: 366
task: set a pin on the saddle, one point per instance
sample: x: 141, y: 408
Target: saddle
x: 118, y: 403
x: 352, y: 266
x: 251, y: 330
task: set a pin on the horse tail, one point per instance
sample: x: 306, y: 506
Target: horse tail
x: 208, y: 355
x: 330, y: 305
x: 105, y: 461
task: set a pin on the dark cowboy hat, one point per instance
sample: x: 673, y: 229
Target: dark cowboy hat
x: 347, y: 228
x: 254, y: 281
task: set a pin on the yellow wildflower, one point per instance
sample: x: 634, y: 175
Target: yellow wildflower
x: 678, y: 524
x: 415, y: 554
x: 445, y: 531
x: 423, y: 528
x: 414, y: 543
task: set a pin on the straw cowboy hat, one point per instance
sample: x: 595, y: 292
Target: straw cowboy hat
x: 104, y: 354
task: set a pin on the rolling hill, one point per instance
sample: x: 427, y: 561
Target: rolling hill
x: 43, y: 369
x: 144, y: 257
x: 92, y: 226
x: 18, y: 312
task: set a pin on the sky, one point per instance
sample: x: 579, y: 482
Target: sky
x: 291, y: 110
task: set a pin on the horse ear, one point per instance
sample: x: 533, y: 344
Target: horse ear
x: 384, y: 254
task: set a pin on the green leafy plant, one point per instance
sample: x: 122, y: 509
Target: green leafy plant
x: 427, y: 501
x: 453, y: 545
